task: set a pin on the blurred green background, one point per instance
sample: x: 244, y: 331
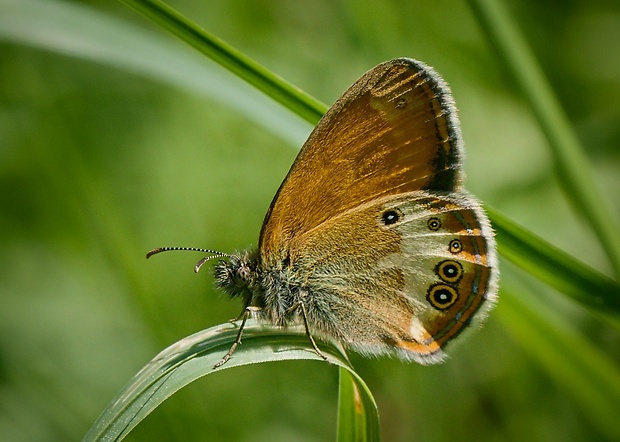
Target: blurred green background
x: 115, y: 138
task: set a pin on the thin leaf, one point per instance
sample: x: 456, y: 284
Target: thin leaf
x: 555, y: 267
x: 80, y: 31
x: 573, y: 166
x: 194, y: 357
x: 238, y: 63
x: 360, y: 421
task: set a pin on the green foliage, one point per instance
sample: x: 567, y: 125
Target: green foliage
x: 135, y: 142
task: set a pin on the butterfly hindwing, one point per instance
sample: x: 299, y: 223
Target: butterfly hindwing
x: 402, y: 275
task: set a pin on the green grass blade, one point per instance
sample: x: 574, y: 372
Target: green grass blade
x: 238, y: 63
x: 359, y: 422
x: 555, y: 267
x: 80, y: 31
x: 194, y: 357
x: 578, y: 366
x: 573, y: 167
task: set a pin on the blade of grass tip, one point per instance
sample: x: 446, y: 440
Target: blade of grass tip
x: 573, y: 167
x: 195, y: 356
x: 555, y: 267
x: 358, y: 417
x: 232, y: 59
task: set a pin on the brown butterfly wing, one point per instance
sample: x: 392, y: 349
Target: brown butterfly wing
x: 393, y: 131
x: 401, y: 275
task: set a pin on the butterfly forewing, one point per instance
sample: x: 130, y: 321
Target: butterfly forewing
x: 393, y: 131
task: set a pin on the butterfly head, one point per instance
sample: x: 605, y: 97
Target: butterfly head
x: 237, y: 275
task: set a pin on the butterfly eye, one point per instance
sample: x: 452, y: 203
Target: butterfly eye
x: 455, y: 246
x: 243, y: 273
x: 434, y: 224
x: 391, y: 216
x: 450, y: 271
x: 442, y: 296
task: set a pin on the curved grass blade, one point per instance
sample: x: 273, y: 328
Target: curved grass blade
x: 194, y: 357
x: 555, y: 267
x: 573, y: 166
x: 84, y: 32
x: 238, y: 63
x: 360, y: 421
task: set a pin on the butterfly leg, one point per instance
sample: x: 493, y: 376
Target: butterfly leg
x: 240, y: 317
x: 244, y: 316
x: 304, y: 315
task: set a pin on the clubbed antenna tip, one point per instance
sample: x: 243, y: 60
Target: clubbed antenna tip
x: 214, y: 254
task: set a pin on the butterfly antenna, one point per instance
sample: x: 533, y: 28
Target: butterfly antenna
x: 214, y: 254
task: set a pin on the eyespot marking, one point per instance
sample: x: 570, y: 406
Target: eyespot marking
x: 449, y: 271
x: 391, y: 216
x: 455, y: 246
x: 441, y: 296
x: 434, y: 224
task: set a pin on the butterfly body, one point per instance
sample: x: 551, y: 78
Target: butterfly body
x: 371, y: 239
x: 399, y: 276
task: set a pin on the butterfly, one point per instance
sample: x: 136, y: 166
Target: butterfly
x: 371, y: 239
